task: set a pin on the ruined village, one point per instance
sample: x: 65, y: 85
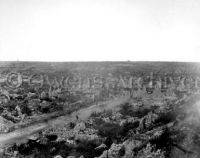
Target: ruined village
x: 99, y: 110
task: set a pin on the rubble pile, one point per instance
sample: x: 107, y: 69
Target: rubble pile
x: 155, y: 118
x: 131, y: 130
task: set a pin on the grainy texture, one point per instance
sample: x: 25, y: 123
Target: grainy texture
x: 100, y: 109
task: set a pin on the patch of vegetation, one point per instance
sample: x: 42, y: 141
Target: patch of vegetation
x: 128, y: 110
x: 111, y: 130
x: 128, y: 126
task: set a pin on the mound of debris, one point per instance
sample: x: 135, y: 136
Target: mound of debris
x: 122, y: 128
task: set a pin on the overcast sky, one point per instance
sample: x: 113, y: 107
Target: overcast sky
x: 86, y: 30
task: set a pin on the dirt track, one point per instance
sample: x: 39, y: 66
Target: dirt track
x: 83, y: 114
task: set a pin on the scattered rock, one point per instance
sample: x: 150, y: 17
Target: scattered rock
x: 129, y: 145
x: 58, y: 156
x: 71, y: 156
x: 4, y: 125
x: 80, y: 126
x: 102, y: 146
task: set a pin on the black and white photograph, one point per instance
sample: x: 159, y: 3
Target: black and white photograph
x: 99, y: 79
